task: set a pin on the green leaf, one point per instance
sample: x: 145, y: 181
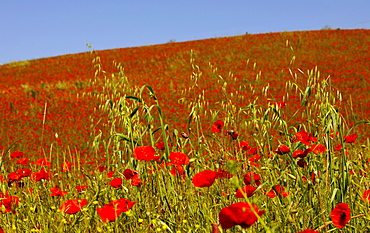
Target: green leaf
x: 134, y: 112
x: 134, y: 98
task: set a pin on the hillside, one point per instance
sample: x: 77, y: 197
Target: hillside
x: 271, y: 58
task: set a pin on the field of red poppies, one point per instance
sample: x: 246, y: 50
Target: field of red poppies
x: 253, y: 133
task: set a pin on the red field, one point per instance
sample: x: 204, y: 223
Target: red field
x: 60, y: 108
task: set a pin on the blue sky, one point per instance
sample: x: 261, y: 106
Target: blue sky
x: 44, y: 28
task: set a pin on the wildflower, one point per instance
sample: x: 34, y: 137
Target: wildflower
x: 145, y: 153
x: 234, y: 135
x: 350, y: 138
x: 102, y: 168
x: 252, y: 177
x: 16, y: 154
x: 283, y: 149
x: 160, y: 146
x: 223, y: 174
x: 42, y: 162
x: 338, y: 147
x: 112, y: 210
x: 204, y: 179
x: 245, y: 191
x: 318, y: 149
x: 242, y: 213
x: 301, y: 153
x: 340, y: 215
x: 130, y: 173
x: 13, y: 176
x: 302, y: 163
x: 57, y: 192
x: 304, y: 137
x: 366, y: 196
x: 40, y: 175
x: 280, y: 104
x: 7, y: 203
x: 277, y: 190
x: 179, y: 158
x: 177, y: 170
x: 217, y: 126
x: 137, y: 182
x: 116, y: 183
x: 23, y: 161
x: 24, y: 172
x: 72, y: 206
x: 244, y: 145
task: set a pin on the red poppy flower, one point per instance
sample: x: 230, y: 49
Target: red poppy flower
x: 309, y: 231
x: 254, y: 158
x: 112, y: 210
x: 13, y: 176
x: 252, y: 177
x: 350, y: 138
x: 110, y: 174
x: 283, y: 149
x: 16, y: 154
x: 318, y: 149
x: 340, y: 215
x: 40, y: 175
x: 277, y: 190
x: 253, y: 151
x: 8, y: 202
x: 23, y: 161
x: 145, y: 153
x: 223, y: 174
x: 242, y: 213
x: 245, y: 191
x: 160, y: 146
x: 301, y: 153
x: 204, y: 178
x: 57, y: 192
x: 130, y: 173
x: 338, y: 147
x: 302, y: 163
x: 72, y: 206
x: 42, y: 162
x: 136, y: 181
x: 234, y: 135
x: 116, y: 183
x: 280, y: 104
x: 244, y: 145
x: 366, y: 196
x: 179, y: 158
x: 24, y: 172
x: 108, y: 213
x: 102, y: 168
x: 81, y: 188
x: 217, y: 126
x: 304, y: 137
x: 177, y: 170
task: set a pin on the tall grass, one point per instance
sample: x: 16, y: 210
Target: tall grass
x: 297, y: 191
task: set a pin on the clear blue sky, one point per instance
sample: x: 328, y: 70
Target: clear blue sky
x: 31, y: 29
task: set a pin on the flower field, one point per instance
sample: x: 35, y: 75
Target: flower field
x: 252, y: 133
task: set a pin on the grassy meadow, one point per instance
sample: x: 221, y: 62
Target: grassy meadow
x: 252, y: 133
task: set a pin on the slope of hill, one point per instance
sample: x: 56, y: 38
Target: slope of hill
x: 264, y: 60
